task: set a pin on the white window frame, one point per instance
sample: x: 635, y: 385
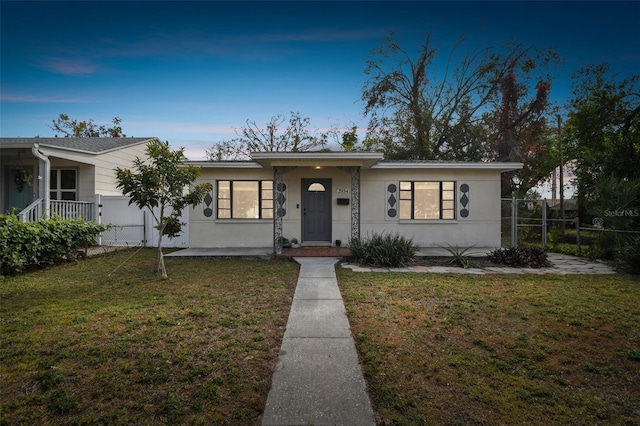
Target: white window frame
x: 56, y: 194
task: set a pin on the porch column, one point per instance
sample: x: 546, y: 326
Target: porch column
x: 355, y: 202
x: 278, y: 197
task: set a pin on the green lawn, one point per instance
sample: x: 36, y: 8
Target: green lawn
x: 102, y: 342
x: 81, y: 346
x: 498, y: 349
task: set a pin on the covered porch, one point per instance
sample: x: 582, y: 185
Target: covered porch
x: 36, y: 185
x: 317, y: 198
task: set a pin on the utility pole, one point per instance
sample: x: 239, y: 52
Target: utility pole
x: 561, y: 173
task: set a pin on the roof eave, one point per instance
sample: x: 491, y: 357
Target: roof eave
x: 502, y: 167
x: 314, y: 159
x: 225, y: 164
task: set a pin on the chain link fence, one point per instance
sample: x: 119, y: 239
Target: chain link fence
x: 535, y: 222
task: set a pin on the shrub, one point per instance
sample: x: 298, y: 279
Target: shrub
x: 530, y: 257
x: 459, y: 257
x: 629, y: 255
x: 43, y: 243
x: 390, y: 250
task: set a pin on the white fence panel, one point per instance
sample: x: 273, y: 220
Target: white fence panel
x: 132, y: 226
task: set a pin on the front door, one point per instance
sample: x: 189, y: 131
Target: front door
x: 316, y: 210
x: 20, y: 193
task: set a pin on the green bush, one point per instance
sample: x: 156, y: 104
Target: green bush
x: 384, y: 250
x: 529, y: 257
x: 629, y: 255
x: 564, y: 248
x: 25, y: 245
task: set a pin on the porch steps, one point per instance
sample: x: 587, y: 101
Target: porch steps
x: 313, y: 251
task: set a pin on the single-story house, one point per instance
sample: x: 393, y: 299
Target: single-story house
x: 327, y: 198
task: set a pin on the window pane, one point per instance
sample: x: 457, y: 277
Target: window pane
x: 224, y: 214
x: 267, y: 213
x: 224, y: 204
x: 67, y: 179
x: 267, y: 184
x: 267, y: 203
x: 245, y: 200
x: 447, y: 204
x: 426, y: 202
x: 53, y: 180
x: 404, y: 186
x: 447, y: 186
x: 68, y: 196
x: 405, y: 209
x: 317, y: 187
x: 223, y: 189
x: 447, y: 214
x: 53, y: 195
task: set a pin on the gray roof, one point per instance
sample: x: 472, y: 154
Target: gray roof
x: 88, y: 145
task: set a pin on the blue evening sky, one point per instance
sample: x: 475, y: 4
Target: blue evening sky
x: 192, y: 72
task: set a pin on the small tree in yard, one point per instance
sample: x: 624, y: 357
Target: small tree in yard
x: 164, y: 182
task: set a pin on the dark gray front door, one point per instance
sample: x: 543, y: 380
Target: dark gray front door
x: 316, y: 209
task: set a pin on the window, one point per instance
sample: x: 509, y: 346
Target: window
x: 245, y: 199
x: 427, y: 200
x: 316, y: 187
x: 63, y: 184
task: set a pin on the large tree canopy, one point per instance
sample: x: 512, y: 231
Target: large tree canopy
x: 603, y: 128
x: 521, y: 131
x: 279, y: 134
x: 490, y: 105
x: 162, y: 182
x: 86, y: 129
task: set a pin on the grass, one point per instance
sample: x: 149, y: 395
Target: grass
x: 498, y: 349
x: 81, y: 346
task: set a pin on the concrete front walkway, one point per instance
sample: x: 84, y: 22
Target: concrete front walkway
x: 318, y: 379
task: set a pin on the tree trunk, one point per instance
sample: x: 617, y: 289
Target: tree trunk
x: 159, y: 265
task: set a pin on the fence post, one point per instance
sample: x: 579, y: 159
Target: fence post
x: 544, y: 224
x: 514, y: 222
x: 144, y: 228
x: 578, y: 235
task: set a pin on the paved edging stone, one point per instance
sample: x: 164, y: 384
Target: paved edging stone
x: 562, y: 265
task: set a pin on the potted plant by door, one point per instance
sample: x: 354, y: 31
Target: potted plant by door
x: 294, y: 243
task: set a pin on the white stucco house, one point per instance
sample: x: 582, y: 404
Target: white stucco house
x: 327, y: 198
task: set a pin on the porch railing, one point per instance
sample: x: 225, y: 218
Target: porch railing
x: 64, y: 209
x: 72, y: 209
x: 32, y: 212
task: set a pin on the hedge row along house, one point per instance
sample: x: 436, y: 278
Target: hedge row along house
x: 316, y: 198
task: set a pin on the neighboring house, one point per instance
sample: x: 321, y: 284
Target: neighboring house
x: 327, y: 198
x: 65, y: 174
